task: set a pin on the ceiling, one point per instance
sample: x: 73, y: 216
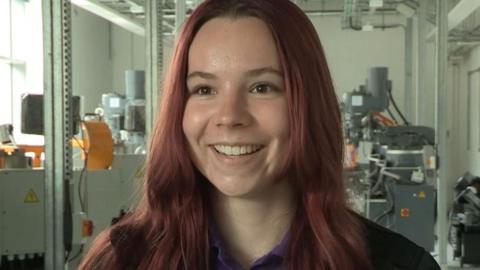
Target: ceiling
x: 462, y: 37
x: 134, y: 10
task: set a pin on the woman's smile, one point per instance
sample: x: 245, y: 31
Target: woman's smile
x: 235, y: 156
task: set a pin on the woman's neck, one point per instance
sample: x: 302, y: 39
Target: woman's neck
x: 251, y: 227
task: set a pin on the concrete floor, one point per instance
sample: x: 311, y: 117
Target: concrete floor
x: 455, y: 264
x: 464, y: 267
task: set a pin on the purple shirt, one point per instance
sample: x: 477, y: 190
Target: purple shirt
x: 221, y: 260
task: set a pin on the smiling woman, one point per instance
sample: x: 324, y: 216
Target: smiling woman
x: 236, y: 115
x: 245, y: 165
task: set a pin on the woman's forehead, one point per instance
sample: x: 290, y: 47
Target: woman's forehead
x: 233, y: 43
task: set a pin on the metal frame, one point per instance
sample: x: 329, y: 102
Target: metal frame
x: 154, y: 22
x: 180, y: 14
x: 469, y: 109
x: 58, y: 124
x: 420, y: 85
x: 408, y: 69
x: 154, y: 44
x: 441, y: 128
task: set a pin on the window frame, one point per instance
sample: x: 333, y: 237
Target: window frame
x: 17, y: 63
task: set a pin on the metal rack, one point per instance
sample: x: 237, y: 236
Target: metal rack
x: 58, y: 128
x: 57, y: 111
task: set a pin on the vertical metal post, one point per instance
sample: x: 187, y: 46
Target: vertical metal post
x: 408, y: 70
x: 441, y: 107
x: 180, y: 13
x: 154, y: 44
x: 420, y: 86
x: 469, y: 109
x: 57, y: 125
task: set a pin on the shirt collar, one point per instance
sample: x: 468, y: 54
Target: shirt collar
x: 220, y: 254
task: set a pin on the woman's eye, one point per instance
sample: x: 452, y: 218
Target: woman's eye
x: 203, y: 91
x: 262, y: 89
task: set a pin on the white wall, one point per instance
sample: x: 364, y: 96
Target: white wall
x: 468, y: 159
x: 27, y: 45
x: 427, y: 106
x: 128, y: 52
x: 459, y: 159
x: 91, y: 57
x: 101, y: 54
x: 350, y: 53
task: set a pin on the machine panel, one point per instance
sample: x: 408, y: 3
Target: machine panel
x: 414, y: 213
x: 22, y: 222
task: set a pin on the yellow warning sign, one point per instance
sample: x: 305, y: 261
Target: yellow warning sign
x: 31, y: 197
x: 422, y: 195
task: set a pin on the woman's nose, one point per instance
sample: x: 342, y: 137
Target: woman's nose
x: 233, y: 111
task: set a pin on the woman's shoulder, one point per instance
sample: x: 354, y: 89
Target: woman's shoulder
x: 121, y: 247
x: 128, y: 244
x: 392, y: 251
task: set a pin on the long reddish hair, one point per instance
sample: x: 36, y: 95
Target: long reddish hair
x: 169, y: 228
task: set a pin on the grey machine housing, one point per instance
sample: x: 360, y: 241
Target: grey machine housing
x: 370, y: 97
x: 401, y: 193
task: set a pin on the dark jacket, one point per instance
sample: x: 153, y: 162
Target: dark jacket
x: 392, y: 251
x: 388, y: 250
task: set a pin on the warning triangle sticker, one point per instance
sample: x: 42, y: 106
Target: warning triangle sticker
x: 31, y: 197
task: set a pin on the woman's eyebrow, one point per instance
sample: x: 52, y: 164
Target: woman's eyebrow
x: 250, y: 73
x: 201, y: 74
x: 260, y: 71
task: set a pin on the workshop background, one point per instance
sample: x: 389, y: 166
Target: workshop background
x: 79, y: 80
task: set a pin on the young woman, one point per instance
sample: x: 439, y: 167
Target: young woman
x: 245, y: 164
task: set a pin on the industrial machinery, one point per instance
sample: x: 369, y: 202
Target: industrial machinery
x: 98, y: 196
x: 13, y: 155
x: 466, y: 219
x: 10, y: 155
x: 125, y: 115
x: 103, y: 184
x: 400, y: 193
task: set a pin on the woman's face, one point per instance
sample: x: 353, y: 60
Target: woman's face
x: 236, y: 120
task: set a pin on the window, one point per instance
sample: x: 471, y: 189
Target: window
x: 21, y: 61
x: 5, y: 67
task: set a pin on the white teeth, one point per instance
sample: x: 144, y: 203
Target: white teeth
x: 237, y: 150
